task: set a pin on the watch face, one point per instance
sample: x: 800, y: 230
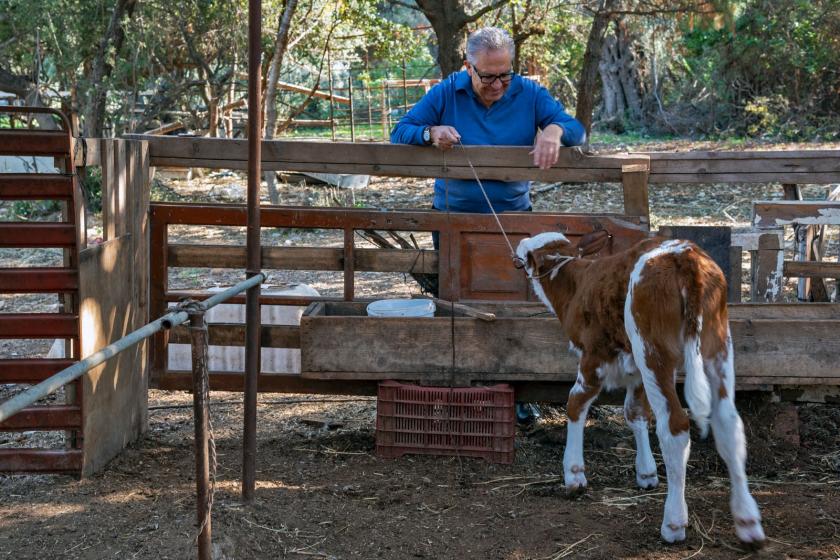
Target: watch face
x: 427, y: 135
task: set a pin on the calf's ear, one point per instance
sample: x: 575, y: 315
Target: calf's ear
x: 593, y: 242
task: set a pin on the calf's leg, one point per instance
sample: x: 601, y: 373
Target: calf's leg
x: 728, y: 430
x: 586, y: 389
x: 637, y: 415
x: 658, y: 375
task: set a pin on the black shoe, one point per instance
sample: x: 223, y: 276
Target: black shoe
x: 527, y: 413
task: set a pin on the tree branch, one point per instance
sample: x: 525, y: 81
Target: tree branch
x: 484, y: 10
x: 404, y: 5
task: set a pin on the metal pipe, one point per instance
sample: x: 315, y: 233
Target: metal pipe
x: 253, y: 263
x: 201, y: 419
x: 65, y: 376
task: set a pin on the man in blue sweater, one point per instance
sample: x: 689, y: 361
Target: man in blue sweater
x: 487, y: 104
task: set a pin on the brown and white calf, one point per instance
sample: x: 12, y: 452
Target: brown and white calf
x: 633, y: 318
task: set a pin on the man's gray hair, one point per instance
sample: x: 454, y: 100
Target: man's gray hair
x: 488, y: 39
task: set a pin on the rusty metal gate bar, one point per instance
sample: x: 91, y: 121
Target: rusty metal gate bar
x: 194, y: 311
x: 69, y: 235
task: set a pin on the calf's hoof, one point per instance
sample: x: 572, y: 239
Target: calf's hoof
x: 672, y: 533
x: 647, y: 481
x: 575, y: 480
x: 750, y: 533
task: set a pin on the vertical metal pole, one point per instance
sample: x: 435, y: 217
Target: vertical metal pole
x: 252, y: 300
x: 352, y: 107
x: 201, y: 419
x: 383, y: 99
x: 332, y: 101
x: 405, y: 88
x: 368, y: 94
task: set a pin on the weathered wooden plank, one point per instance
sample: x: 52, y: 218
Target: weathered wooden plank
x: 767, y: 283
x: 748, y: 240
x: 565, y: 174
x: 708, y: 178
x: 305, y: 258
x: 784, y: 311
x: 666, y: 157
x: 789, y: 349
x: 357, y: 348
x: 374, y: 153
x: 812, y: 269
x: 774, y: 214
x: 404, y: 220
x: 399, y: 345
x: 755, y: 164
x: 233, y: 334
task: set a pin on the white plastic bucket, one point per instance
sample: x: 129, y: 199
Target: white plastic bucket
x: 401, y: 308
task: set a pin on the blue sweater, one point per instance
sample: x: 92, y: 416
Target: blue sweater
x: 511, y: 121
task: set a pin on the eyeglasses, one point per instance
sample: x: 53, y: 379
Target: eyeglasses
x: 489, y: 79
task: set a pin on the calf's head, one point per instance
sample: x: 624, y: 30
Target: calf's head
x: 545, y: 253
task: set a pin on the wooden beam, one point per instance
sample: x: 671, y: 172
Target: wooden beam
x: 502, y: 163
x: 774, y: 214
x: 812, y: 269
x: 305, y: 258
x: 233, y: 334
x: 166, y: 129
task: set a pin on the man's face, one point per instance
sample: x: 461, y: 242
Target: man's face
x: 490, y: 63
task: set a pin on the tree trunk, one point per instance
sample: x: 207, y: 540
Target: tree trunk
x: 281, y: 40
x: 102, y: 67
x: 591, y: 61
x: 620, y: 76
x: 449, y: 20
x: 25, y: 88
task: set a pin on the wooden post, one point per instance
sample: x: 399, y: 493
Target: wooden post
x: 734, y: 280
x: 201, y: 419
x: 349, y: 265
x: 634, y: 181
x: 803, y: 236
x: 767, y: 282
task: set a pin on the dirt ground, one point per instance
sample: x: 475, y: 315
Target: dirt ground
x: 322, y: 492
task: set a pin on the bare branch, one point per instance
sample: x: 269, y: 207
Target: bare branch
x: 484, y: 10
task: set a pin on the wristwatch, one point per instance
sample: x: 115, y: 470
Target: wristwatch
x: 427, y: 135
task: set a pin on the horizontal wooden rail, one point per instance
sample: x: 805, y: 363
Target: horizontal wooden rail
x: 812, y: 269
x: 233, y: 334
x: 360, y: 219
x: 305, y: 258
x: 792, y: 167
x: 507, y: 163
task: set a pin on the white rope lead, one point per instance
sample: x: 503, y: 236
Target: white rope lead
x: 490, y: 204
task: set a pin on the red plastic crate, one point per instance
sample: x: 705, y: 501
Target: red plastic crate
x: 469, y: 422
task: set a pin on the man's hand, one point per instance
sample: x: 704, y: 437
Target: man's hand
x: 547, y: 146
x: 444, y: 137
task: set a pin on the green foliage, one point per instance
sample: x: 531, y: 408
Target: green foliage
x: 92, y: 189
x: 774, y: 73
x: 33, y: 209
